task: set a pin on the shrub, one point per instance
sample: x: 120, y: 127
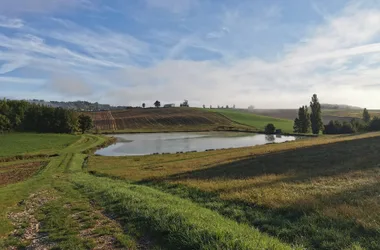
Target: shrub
x: 336, y: 127
x: 374, y: 124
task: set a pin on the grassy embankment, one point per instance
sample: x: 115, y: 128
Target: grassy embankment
x: 53, y: 209
x: 320, y: 193
x: 256, y: 121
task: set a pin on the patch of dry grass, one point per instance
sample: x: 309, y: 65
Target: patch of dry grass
x: 334, y: 179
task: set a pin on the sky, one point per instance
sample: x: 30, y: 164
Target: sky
x: 270, y: 54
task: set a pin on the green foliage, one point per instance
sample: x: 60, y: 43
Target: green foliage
x: 85, y: 123
x: 366, y: 116
x: 302, y: 123
x: 315, y: 116
x: 270, y: 128
x: 336, y: 127
x: 5, y: 124
x: 374, y: 124
x: 157, y: 104
x: 178, y: 223
x: 23, y: 116
x: 358, y: 125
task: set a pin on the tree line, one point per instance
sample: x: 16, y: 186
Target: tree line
x: 23, y: 116
x: 310, y: 120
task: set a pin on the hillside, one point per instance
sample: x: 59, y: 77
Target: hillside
x: 327, y: 114
x: 158, y: 119
x: 257, y: 121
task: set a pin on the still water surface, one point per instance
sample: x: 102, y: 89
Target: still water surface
x: 144, y: 144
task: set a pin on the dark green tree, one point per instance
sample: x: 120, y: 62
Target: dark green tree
x: 5, y: 124
x: 157, y: 104
x: 315, y: 116
x: 270, y: 128
x: 302, y: 122
x: 85, y: 123
x: 374, y: 124
x: 143, y: 105
x: 366, y: 116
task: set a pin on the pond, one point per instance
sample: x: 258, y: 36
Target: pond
x: 145, y: 144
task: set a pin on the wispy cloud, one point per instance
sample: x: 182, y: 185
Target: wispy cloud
x: 12, y: 23
x: 40, y: 6
x: 175, y: 6
x: 242, y: 58
x: 322, y: 63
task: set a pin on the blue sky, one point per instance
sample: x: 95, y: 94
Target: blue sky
x: 271, y: 54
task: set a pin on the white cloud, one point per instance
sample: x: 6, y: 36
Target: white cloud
x: 20, y: 80
x: 24, y: 6
x: 12, y: 23
x: 338, y: 61
x: 175, y: 6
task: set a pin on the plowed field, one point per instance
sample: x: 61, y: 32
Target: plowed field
x: 160, y: 118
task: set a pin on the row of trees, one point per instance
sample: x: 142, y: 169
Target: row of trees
x: 25, y: 116
x: 309, y: 121
x: 366, y: 123
x: 157, y: 104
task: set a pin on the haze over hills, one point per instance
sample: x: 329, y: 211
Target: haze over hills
x: 95, y: 106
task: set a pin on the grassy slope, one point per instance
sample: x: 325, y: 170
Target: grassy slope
x: 66, y: 213
x: 256, y: 121
x: 177, y: 222
x: 321, y: 193
x: 24, y: 143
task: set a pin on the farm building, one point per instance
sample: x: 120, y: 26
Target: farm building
x: 169, y: 105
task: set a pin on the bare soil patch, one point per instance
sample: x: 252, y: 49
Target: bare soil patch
x: 18, y: 172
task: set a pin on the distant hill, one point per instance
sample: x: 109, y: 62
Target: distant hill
x: 79, y: 105
x: 338, y: 106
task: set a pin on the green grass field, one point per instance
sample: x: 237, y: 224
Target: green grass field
x: 256, y: 121
x: 25, y: 143
x: 314, y: 193
x: 319, y: 193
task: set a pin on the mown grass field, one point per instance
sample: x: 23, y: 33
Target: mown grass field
x: 61, y: 206
x: 257, y: 121
x: 318, y: 193
x: 33, y: 144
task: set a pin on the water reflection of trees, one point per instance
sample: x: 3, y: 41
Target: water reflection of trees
x: 270, y: 138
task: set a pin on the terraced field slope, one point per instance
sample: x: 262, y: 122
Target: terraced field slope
x: 171, y: 119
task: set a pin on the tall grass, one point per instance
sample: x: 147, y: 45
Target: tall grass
x: 179, y: 223
x: 321, y: 193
